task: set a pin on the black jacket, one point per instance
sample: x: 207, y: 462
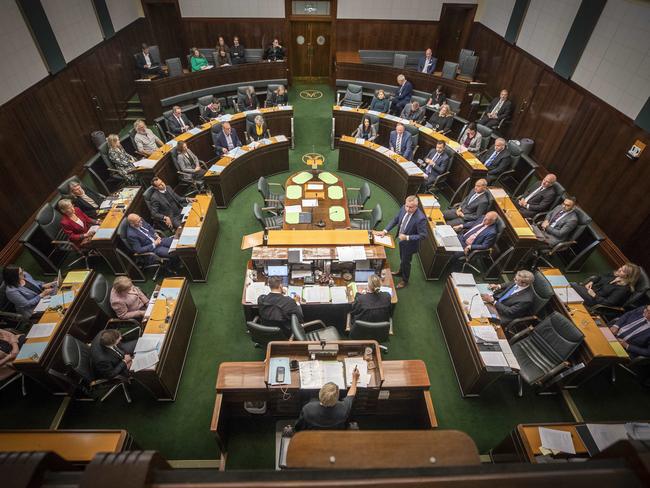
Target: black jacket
x: 276, y: 311
x: 168, y: 204
x: 371, y: 307
x: 85, y: 206
x: 515, y: 306
x: 542, y: 200
x: 314, y: 416
x: 175, y: 127
x: 106, y: 362
x: 609, y: 294
x: 499, y: 164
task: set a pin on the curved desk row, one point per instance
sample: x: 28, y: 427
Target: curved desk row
x: 466, y: 165
x: 151, y: 92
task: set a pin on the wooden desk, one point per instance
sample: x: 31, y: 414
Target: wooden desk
x: 326, y: 199
x: 76, y: 446
x: 198, y: 256
x: 174, y: 317
x: 380, y: 449
x: 465, y: 165
x: 152, y: 92
x: 434, y: 258
x: 38, y: 355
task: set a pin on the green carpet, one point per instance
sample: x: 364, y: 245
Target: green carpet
x: 180, y: 430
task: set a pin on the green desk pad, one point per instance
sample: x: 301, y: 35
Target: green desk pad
x: 327, y: 177
x: 292, y: 217
x: 335, y: 192
x: 302, y: 177
x: 294, y: 192
x: 337, y: 213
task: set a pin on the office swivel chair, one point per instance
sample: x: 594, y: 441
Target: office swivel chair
x: 271, y: 199
x: 174, y: 66
x: 370, y: 223
x: 271, y: 222
x: 542, y: 294
x: 356, y: 203
x: 353, y: 96
x: 316, y: 330
x: 363, y: 330
x: 134, y: 262
x: 261, y: 334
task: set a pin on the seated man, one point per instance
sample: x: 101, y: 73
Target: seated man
x: 10, y: 345
x: 403, y: 95
x: 110, y: 356
x: 145, y: 63
x: 248, y: 100
x: 328, y: 413
x: 276, y: 308
x: 632, y: 329
x: 400, y: 142
x: 500, y: 108
x: 512, y: 300
x: 473, y: 206
x: 413, y: 111
x: 87, y: 200
x: 227, y: 139
x: 177, y: 122
x: 497, y: 160
x: 237, y: 52
x: 145, y: 140
x: 142, y: 238
x: 166, y: 204
x: 372, y: 305
x: 437, y: 162
x: 559, y: 223
x: 478, y: 235
x: 427, y: 63
x: 275, y: 52
x: 538, y: 199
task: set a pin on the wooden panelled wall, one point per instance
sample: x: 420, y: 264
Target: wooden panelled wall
x: 45, y: 131
x: 577, y: 136
x: 355, y: 34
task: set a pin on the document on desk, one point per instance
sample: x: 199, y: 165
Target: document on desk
x: 42, y: 305
x: 144, y: 360
x: 149, y: 342
x: 310, y: 202
x: 339, y: 294
x: 104, y: 233
x: 194, y: 131
x: 215, y: 168
x: 557, y: 280
x: 507, y: 353
x: 411, y: 168
x: 470, y: 295
x: 32, y: 350
x: 41, y: 330
x: 429, y: 201
x: 255, y: 290
x: 498, y: 193
x: 316, y: 294
x: 567, y: 295
x: 639, y: 431
x: 297, y: 274
x: 294, y: 291
x: 604, y: 435
x: 387, y: 289
x: 167, y: 292
x: 281, y: 138
x: 145, y: 163
x: 494, y: 359
x: 360, y: 140
x: 235, y: 152
x: 362, y: 365
x: 485, y: 333
x: 314, y: 374
x: 383, y: 150
x: 463, y: 279
x: 292, y: 209
x: 384, y: 241
x: 61, y: 299
x: 351, y: 253
x: 556, y: 440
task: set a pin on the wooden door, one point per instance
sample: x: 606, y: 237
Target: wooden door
x: 454, y: 29
x: 166, y: 25
x: 310, y: 49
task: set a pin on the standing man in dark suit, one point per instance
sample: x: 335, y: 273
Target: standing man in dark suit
x: 539, y: 198
x: 110, y: 356
x: 412, y: 228
x: 436, y: 162
x: 166, y: 204
x: 559, y: 223
x: 85, y: 199
x: 403, y: 95
x: 632, y: 329
x: 479, y: 234
x: 400, y: 142
x: 146, y: 64
x: 427, y: 63
x: 498, y: 160
x: 512, y: 300
x: 227, y: 139
x: 473, y: 206
x: 500, y: 108
x: 177, y: 122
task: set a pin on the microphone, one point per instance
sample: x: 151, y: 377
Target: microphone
x: 566, y: 300
x: 471, y: 301
x: 192, y: 209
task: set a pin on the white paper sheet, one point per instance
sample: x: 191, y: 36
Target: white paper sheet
x: 485, y: 333
x: 144, y: 360
x: 256, y: 290
x: 508, y: 354
x: 568, y: 295
x: 145, y: 163
x: 316, y: 294
x: 385, y: 240
x: 494, y: 358
x: 149, y: 342
x: 463, y: 279
x: 41, y: 330
x: 362, y: 366
x: 314, y: 374
x: 310, y: 202
x: 604, y: 435
x: 338, y: 294
x: 292, y: 209
x: 556, y: 440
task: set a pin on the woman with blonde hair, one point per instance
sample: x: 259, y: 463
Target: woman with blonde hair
x: 127, y: 300
x: 611, y: 289
x: 373, y: 305
x: 76, y: 224
x: 258, y: 130
x: 121, y: 160
x: 441, y: 122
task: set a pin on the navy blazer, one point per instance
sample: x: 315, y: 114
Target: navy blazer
x: 639, y: 344
x: 433, y: 171
x: 175, y: 127
x: 222, y: 144
x: 516, y: 306
x: 404, y: 93
x: 485, y: 240
x: 407, y: 146
x: 500, y: 164
x: 138, y: 242
x: 416, y: 229
x: 431, y: 66
x: 23, y: 298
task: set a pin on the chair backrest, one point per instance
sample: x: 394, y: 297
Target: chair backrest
x: 353, y: 93
x: 77, y: 359
x: 421, y: 100
x: 364, y: 193
x: 500, y: 224
x: 454, y: 105
x: 559, y: 336
x: 374, y: 120
x: 560, y: 192
x: 464, y: 53
x: 263, y: 187
x: 174, y: 66
x: 376, y: 216
x: 147, y: 197
x: 270, y: 89
x: 399, y: 60
x: 641, y: 288
x: 253, y: 55
x: 542, y: 292
x: 468, y: 66
x: 154, y: 53
x: 215, y: 130
x: 257, y: 212
x: 449, y: 70
x: 100, y: 293
x: 64, y: 188
x: 362, y: 330
x: 515, y: 153
x: 204, y: 101
x: 263, y: 334
x: 242, y: 90
x: 415, y: 133
x: 121, y: 234
x: 49, y: 220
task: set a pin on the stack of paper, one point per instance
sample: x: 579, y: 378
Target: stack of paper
x: 568, y: 295
x: 484, y: 333
x: 498, y: 193
x: 316, y: 294
x: 339, y: 294
x: 556, y: 440
x: 507, y: 353
x: 494, y: 359
x: 557, y: 280
x: 215, y: 168
x: 41, y: 330
x: 314, y: 374
x: 194, y: 131
x: 293, y: 209
x: 145, y: 163
x: 429, y: 201
x: 463, y: 279
x: 149, y: 342
x: 384, y: 241
x: 387, y: 289
x: 144, y: 360
x: 189, y: 236
x: 411, y: 168
x: 351, y: 253
x: 256, y: 290
x: 31, y: 350
x: 311, y: 202
x: 362, y: 366
x: 281, y: 138
x: 104, y: 233
x: 446, y: 236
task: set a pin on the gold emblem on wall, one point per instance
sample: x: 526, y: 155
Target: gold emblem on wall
x: 311, y: 94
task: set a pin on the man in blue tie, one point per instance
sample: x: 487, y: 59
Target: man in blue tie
x: 497, y: 161
x: 435, y: 163
x: 632, y: 329
x: 512, y: 300
x: 143, y: 239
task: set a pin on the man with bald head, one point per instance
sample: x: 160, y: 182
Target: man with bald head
x: 427, y: 63
x: 400, y: 142
x: 478, y: 235
x: 538, y: 198
x: 227, y: 140
x: 497, y: 160
x: 143, y: 238
x: 473, y: 206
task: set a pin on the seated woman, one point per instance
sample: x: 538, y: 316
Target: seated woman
x: 198, y: 61
x: 221, y: 45
x: 611, y: 289
x: 372, y: 306
x: 188, y: 163
x: 379, y: 102
x: 10, y: 345
x: 438, y: 97
x: 127, y: 300
x: 121, y: 160
x: 470, y: 139
x: 223, y: 57
x: 259, y: 130
x: 213, y: 110
x: 76, y: 224
x: 441, y: 122
x: 278, y: 97
x: 365, y: 130
x: 24, y: 291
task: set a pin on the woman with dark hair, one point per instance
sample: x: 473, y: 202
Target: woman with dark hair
x: 366, y: 130
x: 24, y: 291
x: 438, y: 97
x: 213, y: 109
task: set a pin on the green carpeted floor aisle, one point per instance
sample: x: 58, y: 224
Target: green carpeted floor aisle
x: 180, y: 430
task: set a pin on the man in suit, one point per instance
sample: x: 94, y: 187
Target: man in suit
x: 146, y: 64
x: 538, y: 198
x: 559, y: 223
x: 473, y: 206
x: 400, y: 142
x: 436, y: 162
x: 276, y: 308
x: 512, y: 300
x: 275, y: 52
x: 499, y: 109
x: 479, y: 234
x: 142, y: 238
x: 403, y: 95
x: 166, y: 204
x: 177, y: 122
x: 497, y: 160
x: 632, y: 329
x: 413, y: 111
x: 227, y: 139
x: 110, y: 356
x: 237, y: 52
x: 427, y: 63
x: 412, y: 228
x: 85, y: 199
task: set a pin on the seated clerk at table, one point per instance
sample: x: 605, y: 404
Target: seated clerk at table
x: 197, y: 60
x: 276, y: 308
x: 400, y: 142
x: 10, y: 345
x: 275, y: 52
x: 611, y: 289
x: 632, y: 329
x: 402, y: 96
x: 213, y: 109
x: 473, y: 206
x: 127, y: 300
x: 538, y: 199
x: 121, y: 160
x: 178, y: 122
x: 237, y: 52
x: 435, y: 162
x: 559, y: 223
x: 142, y: 238
x: 470, y: 139
x: 441, y: 121
x: 438, y: 97
x: 166, y: 204
x: 111, y: 356
x: 479, y: 234
x: 328, y: 413
x: 76, y: 224
x: 24, y: 291
x: 379, y: 102
x: 372, y: 305
x: 412, y: 111
x: 227, y: 139
x: 366, y: 130
x: 279, y: 96
x: 500, y: 108
x: 258, y: 130
x: 145, y: 63
x: 497, y: 160
x: 85, y: 199
x: 188, y: 163
x: 427, y: 63
x: 512, y: 300
x: 248, y: 100
x: 146, y: 141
